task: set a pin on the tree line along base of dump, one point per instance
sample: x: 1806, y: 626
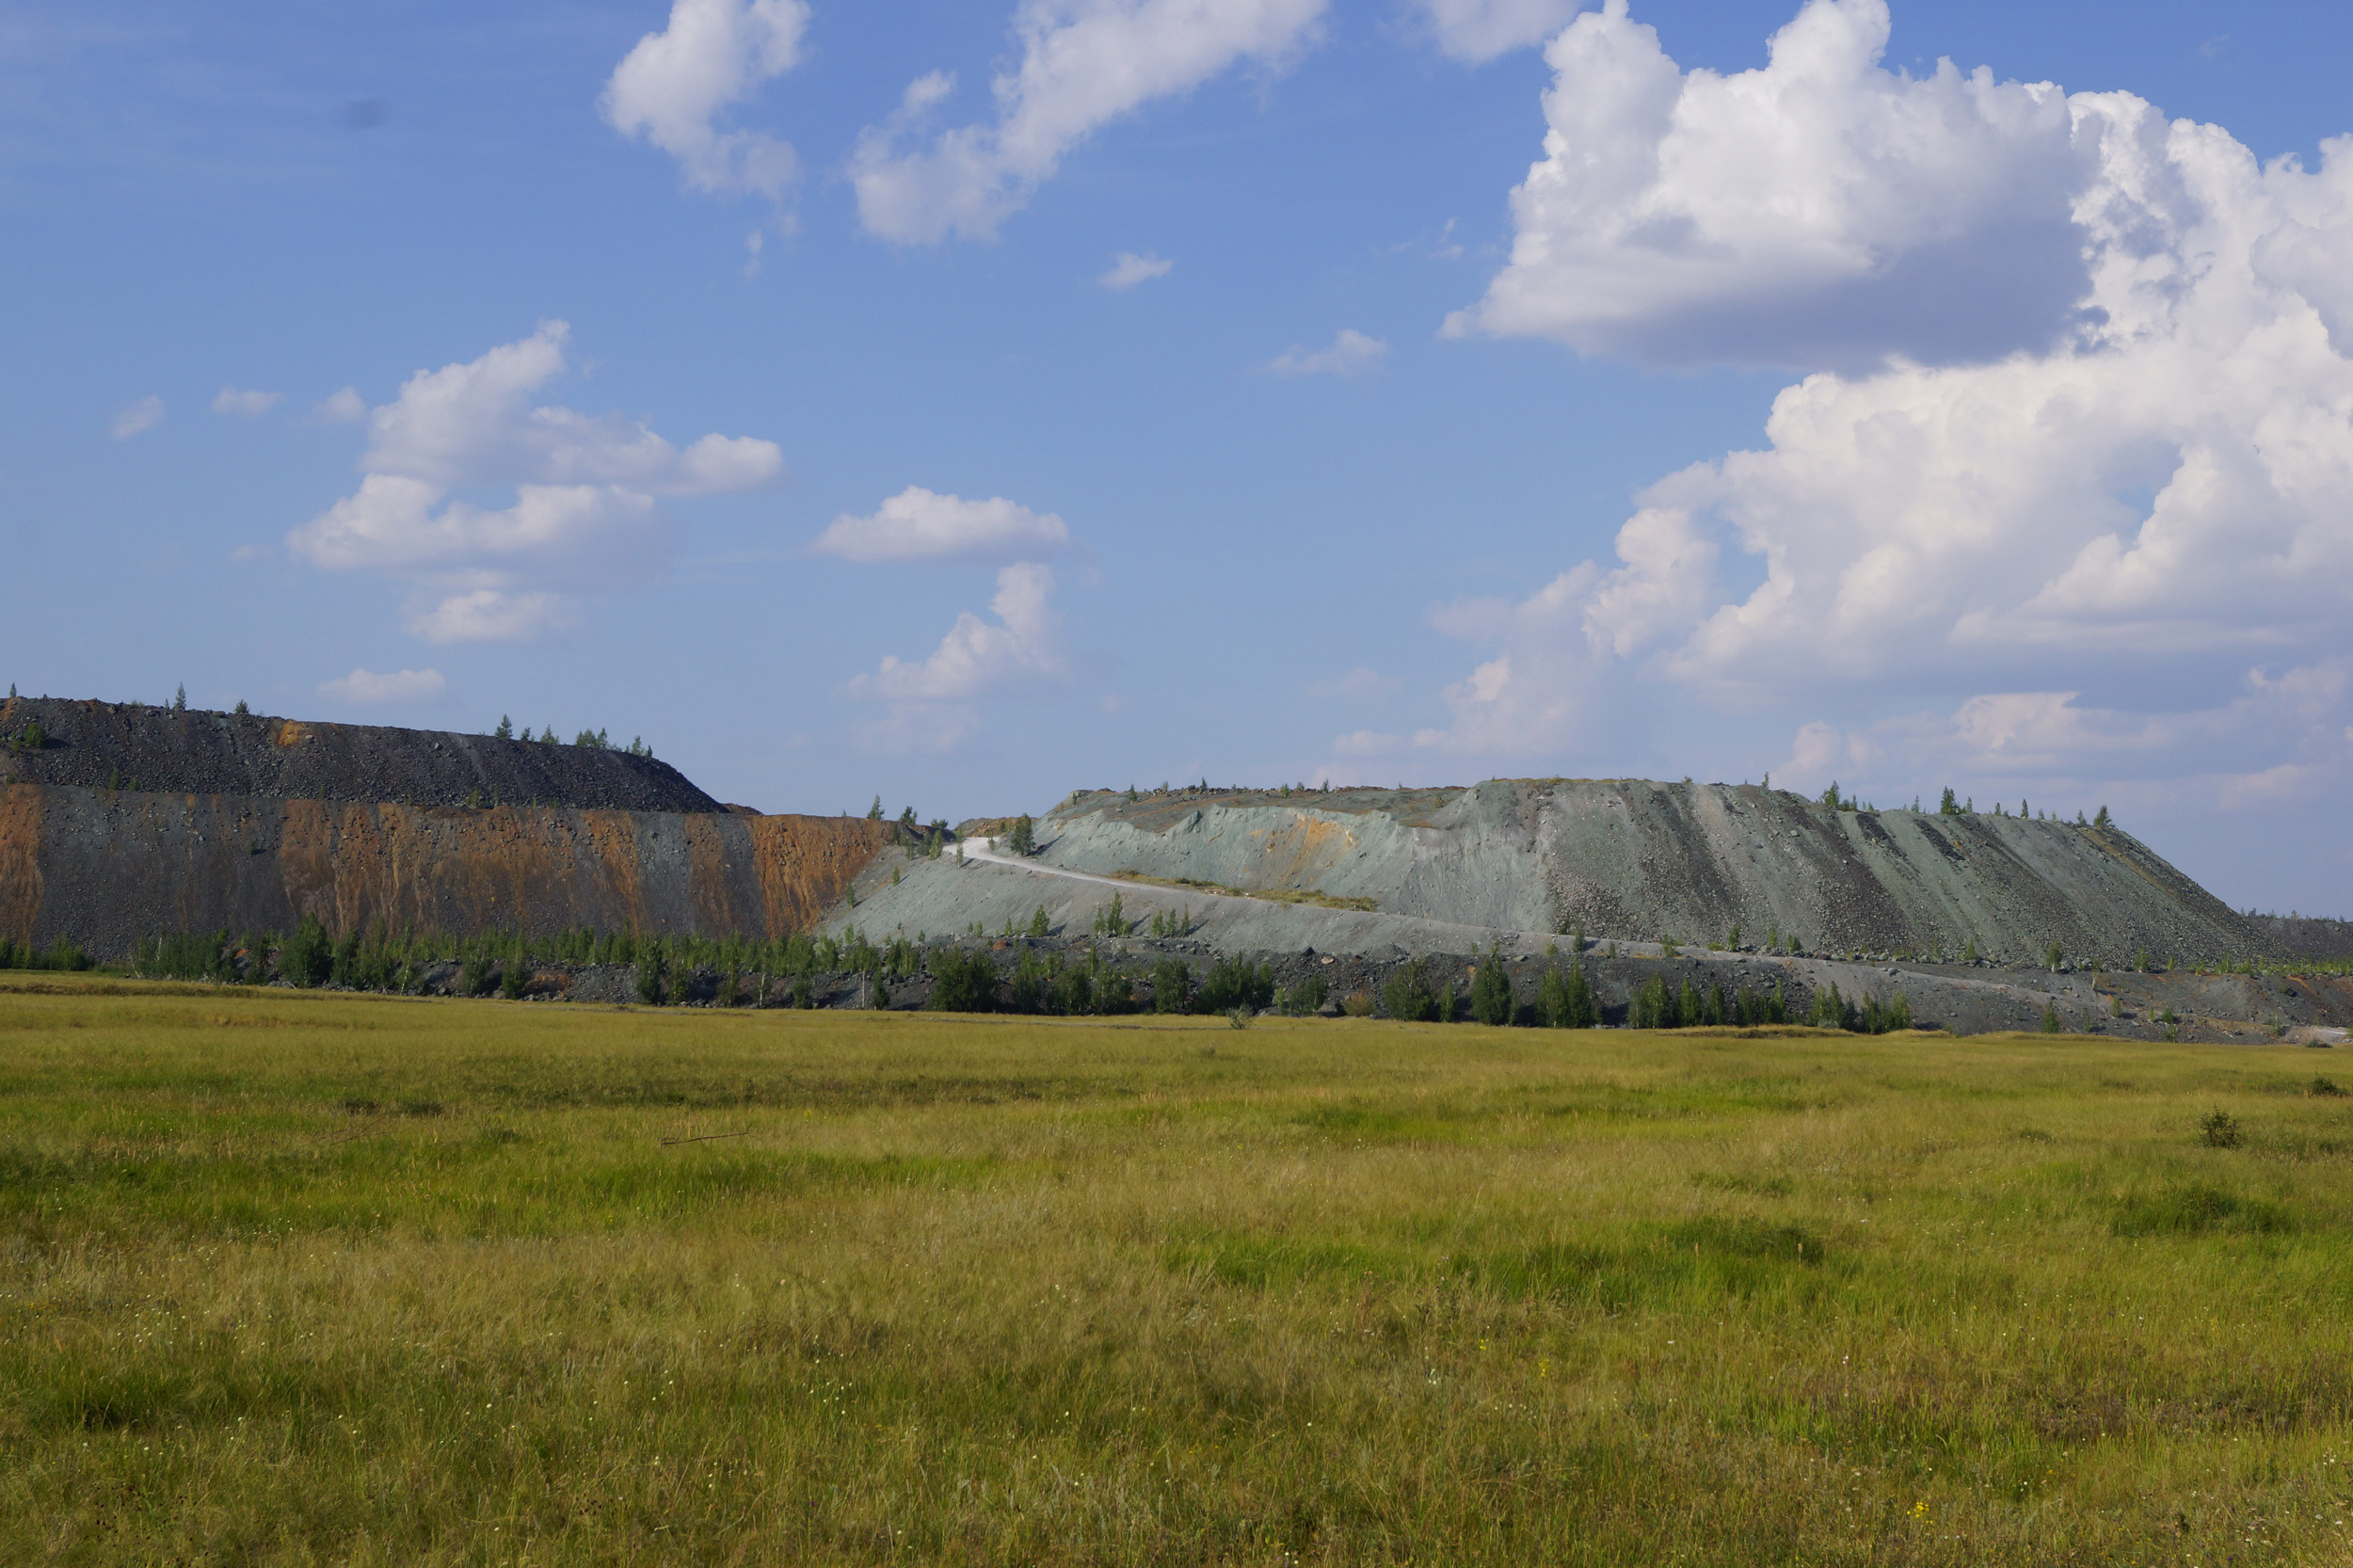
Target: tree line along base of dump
x: 812, y: 970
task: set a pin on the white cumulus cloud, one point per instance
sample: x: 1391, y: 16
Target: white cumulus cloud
x: 1128, y: 269
x: 1083, y: 64
x: 136, y: 419
x: 675, y: 86
x: 242, y: 403
x: 977, y: 658
x: 920, y: 525
x: 2141, y: 492
x: 1479, y: 30
x: 1816, y: 210
x: 583, y: 518
x: 2269, y: 741
x: 1350, y: 353
x: 1542, y: 688
x: 476, y: 423
x: 399, y: 686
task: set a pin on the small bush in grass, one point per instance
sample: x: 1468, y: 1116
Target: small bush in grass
x: 1031, y: 990
x: 1172, y: 985
x: 1358, y: 1003
x: 1407, y: 994
x: 2220, y: 1131
x: 1233, y: 982
x: 963, y: 982
x: 1652, y: 1006
x: 307, y: 957
x: 1305, y: 999
x: 1566, y: 1002
x: 182, y: 958
x: 1491, y: 1000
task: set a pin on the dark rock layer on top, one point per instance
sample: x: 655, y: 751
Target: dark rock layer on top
x: 109, y: 745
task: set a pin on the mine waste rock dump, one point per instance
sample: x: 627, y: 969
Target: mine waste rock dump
x: 1428, y: 870
x: 1978, y: 920
x: 235, y: 848
x: 121, y: 822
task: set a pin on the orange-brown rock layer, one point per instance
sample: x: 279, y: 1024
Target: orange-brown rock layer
x: 106, y: 867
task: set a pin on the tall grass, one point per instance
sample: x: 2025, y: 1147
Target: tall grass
x: 293, y: 1278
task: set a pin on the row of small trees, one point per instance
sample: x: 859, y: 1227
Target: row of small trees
x: 379, y: 958
x: 1563, y: 999
x: 63, y: 954
x: 1567, y: 999
x: 590, y: 740
x: 1951, y: 805
x: 970, y: 981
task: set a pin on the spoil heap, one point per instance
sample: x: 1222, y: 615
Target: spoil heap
x: 110, y: 745
x: 128, y: 823
x: 1644, y: 861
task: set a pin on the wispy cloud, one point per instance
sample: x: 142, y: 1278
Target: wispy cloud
x: 1131, y: 269
x: 242, y: 403
x: 136, y: 419
x: 368, y: 688
x: 916, y: 525
x: 1082, y: 66
x: 1350, y: 354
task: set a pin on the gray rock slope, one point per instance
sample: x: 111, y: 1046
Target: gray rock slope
x: 106, y: 745
x: 1615, y: 858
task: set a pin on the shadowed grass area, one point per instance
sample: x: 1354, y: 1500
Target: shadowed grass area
x: 297, y: 1277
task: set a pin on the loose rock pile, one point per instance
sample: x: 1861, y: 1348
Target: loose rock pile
x: 110, y: 745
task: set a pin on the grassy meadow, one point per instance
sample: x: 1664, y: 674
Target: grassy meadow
x: 303, y: 1278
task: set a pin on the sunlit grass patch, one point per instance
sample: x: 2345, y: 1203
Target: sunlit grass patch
x: 298, y: 1277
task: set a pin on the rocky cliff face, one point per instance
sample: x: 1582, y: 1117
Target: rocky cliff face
x: 103, y: 745
x: 1636, y: 860
x: 107, y: 867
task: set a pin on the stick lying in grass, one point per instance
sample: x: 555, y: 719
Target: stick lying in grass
x: 706, y: 1138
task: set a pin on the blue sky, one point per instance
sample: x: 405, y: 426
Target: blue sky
x: 421, y: 363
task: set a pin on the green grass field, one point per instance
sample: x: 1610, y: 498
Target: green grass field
x: 298, y: 1277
